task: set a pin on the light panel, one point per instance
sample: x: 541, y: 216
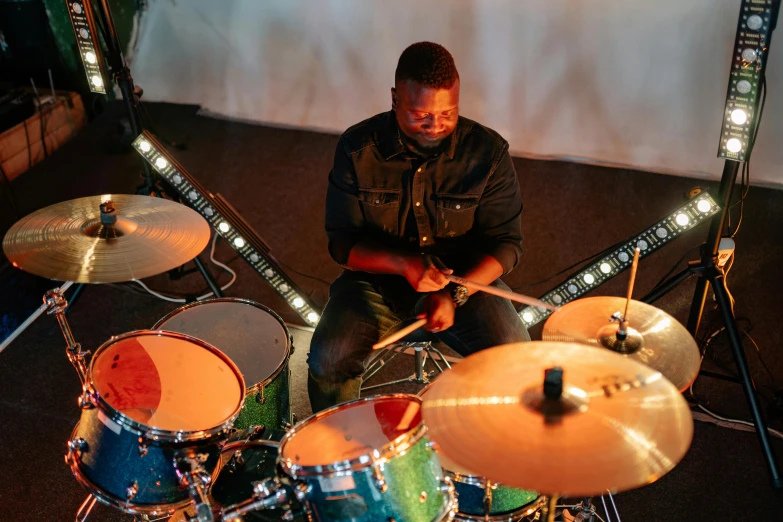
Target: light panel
x: 750, y: 54
x: 227, y: 223
x: 699, y: 209
x: 88, y: 42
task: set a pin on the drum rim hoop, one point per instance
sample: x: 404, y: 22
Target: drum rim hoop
x: 146, y: 431
x: 383, y: 454
x: 289, y: 339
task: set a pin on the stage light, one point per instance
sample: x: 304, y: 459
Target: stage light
x: 698, y: 210
x: 85, y: 31
x: 739, y: 117
x: 228, y: 223
x: 751, y: 45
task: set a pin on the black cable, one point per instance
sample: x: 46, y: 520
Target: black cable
x: 29, y: 146
x: 43, y: 124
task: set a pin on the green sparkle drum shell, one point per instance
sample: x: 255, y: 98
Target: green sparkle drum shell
x: 258, y: 342
x: 368, y: 460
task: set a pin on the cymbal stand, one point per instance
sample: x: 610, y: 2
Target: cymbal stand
x: 56, y: 304
x: 196, y: 479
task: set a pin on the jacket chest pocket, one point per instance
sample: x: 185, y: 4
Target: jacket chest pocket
x: 381, y: 208
x: 455, y: 214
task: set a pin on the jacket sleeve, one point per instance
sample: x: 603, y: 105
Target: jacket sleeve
x: 344, y: 218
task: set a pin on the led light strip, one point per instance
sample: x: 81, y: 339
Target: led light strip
x: 699, y: 209
x: 227, y: 222
x: 84, y: 29
x: 750, y: 56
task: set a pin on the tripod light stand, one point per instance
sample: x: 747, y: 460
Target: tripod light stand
x: 741, y: 117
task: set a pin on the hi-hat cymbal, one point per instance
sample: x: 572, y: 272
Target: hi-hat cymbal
x: 68, y: 242
x: 618, y: 424
x: 654, y: 337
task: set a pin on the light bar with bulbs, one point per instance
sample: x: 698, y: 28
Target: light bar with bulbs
x: 88, y: 41
x: 228, y: 223
x: 750, y: 55
x: 699, y: 209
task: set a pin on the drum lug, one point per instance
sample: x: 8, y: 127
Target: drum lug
x: 380, y: 480
x: 143, y: 447
x: 77, y: 446
x: 301, y: 491
x: 488, y: 498
x: 88, y: 399
x: 260, y: 399
x: 131, y: 491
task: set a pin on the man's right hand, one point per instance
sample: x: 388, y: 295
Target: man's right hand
x: 426, y: 273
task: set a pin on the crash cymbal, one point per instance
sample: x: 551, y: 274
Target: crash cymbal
x: 69, y: 242
x: 617, y: 425
x: 654, y: 337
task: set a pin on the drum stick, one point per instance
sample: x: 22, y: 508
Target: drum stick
x: 399, y: 335
x: 502, y: 293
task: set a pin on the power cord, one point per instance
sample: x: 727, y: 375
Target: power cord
x: 205, y: 296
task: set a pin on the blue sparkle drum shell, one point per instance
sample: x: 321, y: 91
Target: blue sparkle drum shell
x: 257, y: 341
x: 368, y: 460
x: 151, y: 397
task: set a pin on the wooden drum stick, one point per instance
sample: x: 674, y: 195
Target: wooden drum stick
x: 502, y: 293
x: 399, y: 335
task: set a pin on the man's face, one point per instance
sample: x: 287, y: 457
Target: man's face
x: 425, y: 115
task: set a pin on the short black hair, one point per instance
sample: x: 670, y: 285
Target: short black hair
x: 428, y: 64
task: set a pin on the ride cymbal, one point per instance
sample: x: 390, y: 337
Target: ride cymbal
x: 83, y: 241
x: 654, y: 337
x: 617, y: 425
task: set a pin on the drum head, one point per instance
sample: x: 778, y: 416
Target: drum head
x: 351, y: 430
x: 167, y: 381
x: 253, y: 337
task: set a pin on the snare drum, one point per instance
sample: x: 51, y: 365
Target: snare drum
x: 152, y: 397
x: 368, y: 460
x: 482, y: 500
x: 257, y: 340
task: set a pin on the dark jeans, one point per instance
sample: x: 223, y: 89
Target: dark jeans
x: 363, y: 307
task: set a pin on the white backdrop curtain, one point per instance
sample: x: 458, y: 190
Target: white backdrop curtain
x: 633, y: 83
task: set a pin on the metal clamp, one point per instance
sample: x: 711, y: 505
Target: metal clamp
x: 378, y: 478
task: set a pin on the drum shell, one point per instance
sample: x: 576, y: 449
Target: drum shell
x: 268, y: 404
x: 402, y: 482
x: 507, y: 503
x: 111, y: 461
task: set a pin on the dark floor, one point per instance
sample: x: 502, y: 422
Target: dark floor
x: 277, y: 180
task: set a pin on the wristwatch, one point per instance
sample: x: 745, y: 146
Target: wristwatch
x: 459, y: 294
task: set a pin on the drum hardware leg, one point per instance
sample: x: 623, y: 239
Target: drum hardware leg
x: 195, y: 478
x: 267, y: 494
x: 378, y: 478
x: 487, y: 499
x: 377, y: 363
x: 86, y: 508
x: 35, y: 315
x: 56, y: 304
x: 260, y: 399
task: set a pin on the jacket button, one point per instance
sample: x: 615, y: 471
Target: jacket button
x: 377, y: 201
x: 418, y: 203
x: 424, y: 238
x: 457, y: 207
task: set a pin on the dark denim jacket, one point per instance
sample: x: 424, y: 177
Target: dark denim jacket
x: 466, y: 200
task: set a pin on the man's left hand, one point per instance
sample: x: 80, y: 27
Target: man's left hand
x: 439, y: 311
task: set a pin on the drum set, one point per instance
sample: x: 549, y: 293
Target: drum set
x: 192, y: 419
